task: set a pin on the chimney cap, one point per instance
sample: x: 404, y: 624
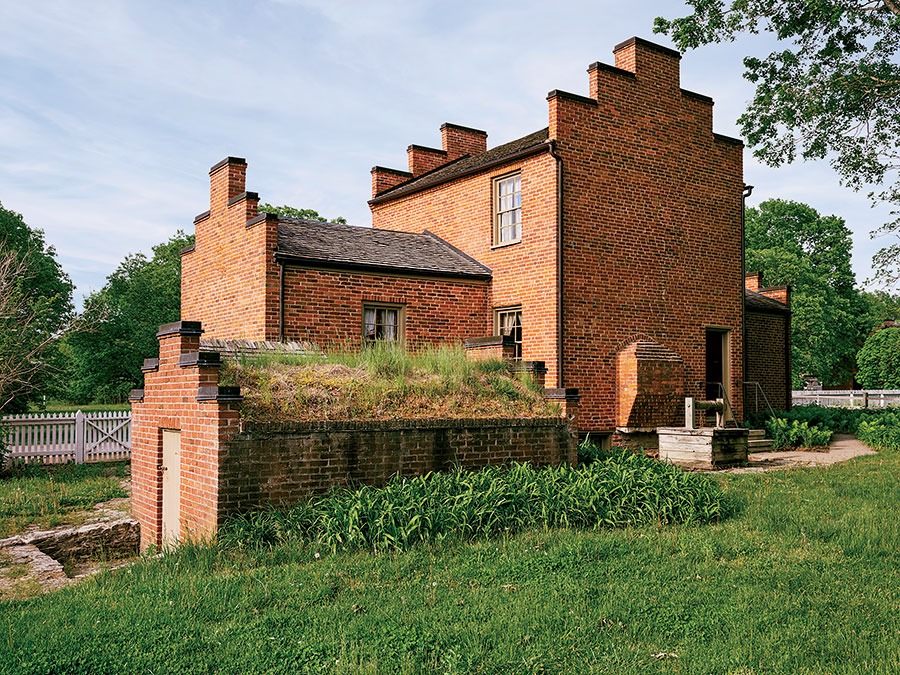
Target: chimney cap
x: 228, y: 160
x: 668, y: 51
x: 471, y: 130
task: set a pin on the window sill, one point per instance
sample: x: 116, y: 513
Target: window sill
x: 507, y: 243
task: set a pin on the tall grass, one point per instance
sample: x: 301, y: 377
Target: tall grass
x: 383, y: 381
x: 620, y: 489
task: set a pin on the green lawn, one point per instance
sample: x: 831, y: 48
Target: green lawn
x: 47, y: 496
x: 804, y: 579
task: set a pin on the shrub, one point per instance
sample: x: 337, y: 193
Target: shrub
x: 837, y: 420
x: 881, y: 433
x: 879, y: 360
x: 619, y: 489
x: 793, y: 434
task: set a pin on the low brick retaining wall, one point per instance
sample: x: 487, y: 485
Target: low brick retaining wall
x: 281, y: 464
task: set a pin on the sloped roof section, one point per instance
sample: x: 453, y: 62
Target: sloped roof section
x: 337, y: 246
x: 468, y: 164
x: 760, y: 303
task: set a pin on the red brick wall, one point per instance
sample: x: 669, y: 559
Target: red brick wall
x: 461, y: 212
x: 652, y: 234
x: 650, y: 386
x: 170, y: 402
x: 768, y: 340
x: 285, y: 464
x: 325, y: 307
x: 229, y: 279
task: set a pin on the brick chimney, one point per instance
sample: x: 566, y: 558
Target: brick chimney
x: 653, y: 63
x: 423, y: 159
x: 384, y: 179
x: 458, y: 141
x: 753, y: 281
x: 227, y: 180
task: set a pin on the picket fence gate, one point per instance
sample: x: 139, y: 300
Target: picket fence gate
x: 55, y: 438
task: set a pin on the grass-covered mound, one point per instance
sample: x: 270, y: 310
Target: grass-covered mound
x: 618, y: 489
x: 381, y: 382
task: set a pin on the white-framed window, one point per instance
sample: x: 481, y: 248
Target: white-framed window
x: 508, y: 321
x: 508, y: 209
x: 382, y: 322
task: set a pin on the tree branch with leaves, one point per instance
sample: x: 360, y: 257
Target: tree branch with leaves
x: 832, y: 93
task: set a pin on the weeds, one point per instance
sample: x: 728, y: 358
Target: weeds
x: 381, y: 382
x: 793, y: 434
x: 619, y: 489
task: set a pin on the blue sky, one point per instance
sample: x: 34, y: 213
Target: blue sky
x: 112, y: 112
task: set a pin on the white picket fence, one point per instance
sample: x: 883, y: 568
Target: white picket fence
x: 848, y: 398
x: 54, y: 438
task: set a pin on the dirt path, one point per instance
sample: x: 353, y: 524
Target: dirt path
x: 843, y: 447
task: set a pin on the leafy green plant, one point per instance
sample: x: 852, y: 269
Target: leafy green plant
x: 794, y: 434
x: 618, y: 489
x: 881, y: 433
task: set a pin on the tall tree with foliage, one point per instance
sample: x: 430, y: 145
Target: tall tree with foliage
x: 138, y: 297
x: 301, y: 214
x: 832, y: 92
x: 790, y: 243
x: 35, y: 308
x: 879, y: 360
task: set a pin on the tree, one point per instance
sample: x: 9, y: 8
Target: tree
x: 790, y: 243
x: 880, y: 305
x: 832, y: 93
x: 138, y: 297
x: 35, y: 309
x: 879, y: 360
x: 300, y: 214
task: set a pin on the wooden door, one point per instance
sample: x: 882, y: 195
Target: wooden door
x: 171, y: 488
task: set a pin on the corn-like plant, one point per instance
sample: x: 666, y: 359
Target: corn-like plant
x: 618, y: 489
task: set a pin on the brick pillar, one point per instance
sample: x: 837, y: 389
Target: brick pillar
x: 181, y: 393
x: 567, y: 398
x: 491, y: 347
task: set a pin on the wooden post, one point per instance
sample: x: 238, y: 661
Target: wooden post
x: 79, y: 437
x: 689, y: 412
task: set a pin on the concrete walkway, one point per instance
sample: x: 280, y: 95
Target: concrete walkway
x: 843, y: 447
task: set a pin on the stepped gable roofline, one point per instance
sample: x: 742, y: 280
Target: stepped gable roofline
x: 332, y: 245
x: 758, y: 302
x: 468, y: 164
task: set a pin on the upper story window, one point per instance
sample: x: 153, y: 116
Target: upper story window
x: 508, y: 209
x: 382, y: 322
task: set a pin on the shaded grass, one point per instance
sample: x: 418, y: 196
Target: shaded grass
x: 805, y: 579
x: 619, y: 489
x: 35, y: 496
x: 381, y: 382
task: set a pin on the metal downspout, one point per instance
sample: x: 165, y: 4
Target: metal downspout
x: 748, y: 190
x: 281, y: 301
x: 559, y: 265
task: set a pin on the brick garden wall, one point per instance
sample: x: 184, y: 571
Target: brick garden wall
x: 282, y: 464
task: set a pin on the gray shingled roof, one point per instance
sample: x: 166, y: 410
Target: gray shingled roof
x: 467, y: 164
x: 759, y: 302
x: 350, y: 247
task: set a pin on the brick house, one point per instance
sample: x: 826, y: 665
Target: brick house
x: 607, y: 245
